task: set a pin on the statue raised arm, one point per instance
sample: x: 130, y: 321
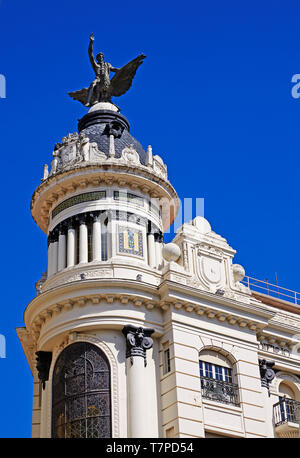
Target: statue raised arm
x: 91, y: 54
x: 102, y: 89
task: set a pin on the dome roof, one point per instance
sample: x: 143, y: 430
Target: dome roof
x: 99, y: 125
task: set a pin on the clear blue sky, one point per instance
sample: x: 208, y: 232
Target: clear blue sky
x: 213, y: 98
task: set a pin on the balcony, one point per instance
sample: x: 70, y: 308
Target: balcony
x: 219, y: 391
x: 286, y: 414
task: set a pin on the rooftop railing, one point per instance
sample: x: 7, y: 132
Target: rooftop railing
x: 264, y: 287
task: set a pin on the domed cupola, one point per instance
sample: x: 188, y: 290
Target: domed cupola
x: 105, y: 126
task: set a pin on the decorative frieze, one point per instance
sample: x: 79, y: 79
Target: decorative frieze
x: 86, y: 197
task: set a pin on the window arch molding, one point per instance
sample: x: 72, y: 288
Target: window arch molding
x: 289, y: 379
x: 219, y: 350
x: 80, y: 337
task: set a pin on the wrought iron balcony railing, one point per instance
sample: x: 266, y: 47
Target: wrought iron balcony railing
x: 286, y: 410
x: 219, y: 390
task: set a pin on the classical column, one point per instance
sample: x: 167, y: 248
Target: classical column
x: 151, y: 250
x: 54, y: 250
x: 138, y: 340
x: 267, y: 374
x: 96, y: 237
x: 62, y: 245
x: 50, y: 255
x: 83, y: 239
x: 158, y: 248
x: 43, y: 363
x: 71, y: 244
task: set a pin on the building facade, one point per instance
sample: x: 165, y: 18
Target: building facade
x: 131, y: 337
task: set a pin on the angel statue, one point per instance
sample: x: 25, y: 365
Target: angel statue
x: 102, y: 89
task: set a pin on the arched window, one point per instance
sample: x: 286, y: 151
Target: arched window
x: 217, y: 378
x: 81, y: 403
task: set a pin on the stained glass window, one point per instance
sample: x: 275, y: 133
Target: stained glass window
x: 81, y: 402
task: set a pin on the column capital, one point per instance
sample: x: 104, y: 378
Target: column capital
x: 158, y: 236
x: 62, y: 228
x: 53, y: 236
x: 138, y: 340
x: 267, y: 373
x: 43, y: 363
x: 82, y: 218
x: 95, y: 216
x: 71, y: 223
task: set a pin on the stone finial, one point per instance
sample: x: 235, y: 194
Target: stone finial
x: 149, y: 157
x: 138, y: 340
x: 111, y: 146
x: 46, y: 172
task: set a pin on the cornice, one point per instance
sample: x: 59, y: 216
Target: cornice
x: 111, y: 173
x: 253, y: 308
x: 28, y: 345
x: 79, y: 294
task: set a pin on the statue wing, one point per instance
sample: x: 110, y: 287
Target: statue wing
x: 81, y: 96
x: 122, y: 80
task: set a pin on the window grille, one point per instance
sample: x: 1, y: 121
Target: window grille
x: 81, y: 401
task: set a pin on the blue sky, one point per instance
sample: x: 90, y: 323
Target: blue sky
x: 213, y: 98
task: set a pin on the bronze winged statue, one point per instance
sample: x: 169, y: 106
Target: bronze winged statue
x: 102, y: 89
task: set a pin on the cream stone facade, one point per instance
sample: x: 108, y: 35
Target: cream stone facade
x: 177, y: 344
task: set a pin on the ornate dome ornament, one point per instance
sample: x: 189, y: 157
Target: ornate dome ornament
x: 238, y: 272
x: 171, y: 252
x: 129, y: 154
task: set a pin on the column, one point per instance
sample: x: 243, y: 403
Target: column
x: 71, y: 244
x: 83, y: 239
x: 96, y: 237
x: 151, y: 250
x: 62, y: 245
x: 267, y: 374
x: 43, y: 364
x: 54, y: 250
x: 158, y: 248
x: 50, y: 256
x: 138, y: 340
